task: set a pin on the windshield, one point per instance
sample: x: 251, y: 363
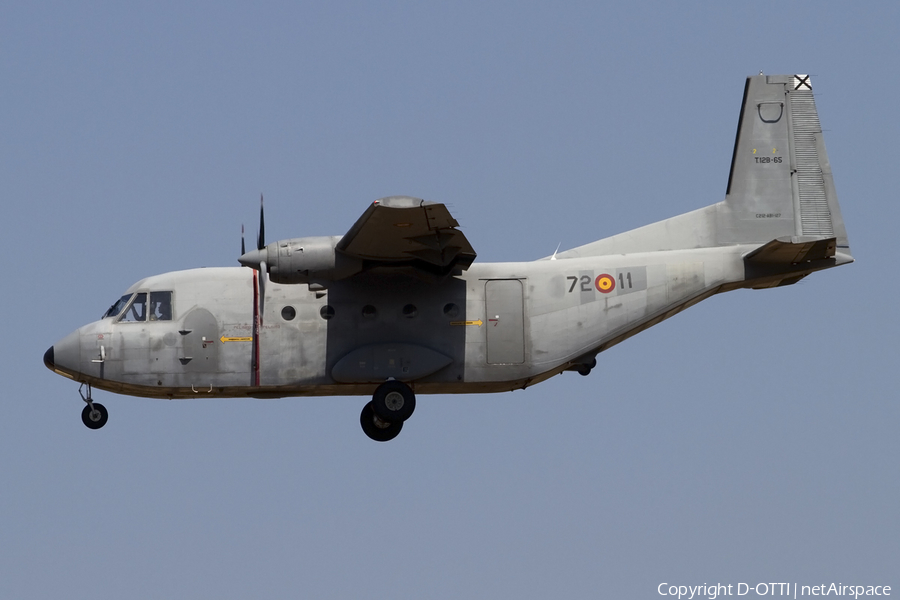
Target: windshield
x: 116, y: 308
x: 137, y: 312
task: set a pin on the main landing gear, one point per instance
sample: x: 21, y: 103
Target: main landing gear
x: 94, y: 415
x: 584, y: 366
x: 392, y: 403
x: 585, y: 370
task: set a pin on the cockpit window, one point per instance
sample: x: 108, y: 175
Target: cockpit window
x: 160, y: 306
x: 116, y: 308
x: 137, y: 312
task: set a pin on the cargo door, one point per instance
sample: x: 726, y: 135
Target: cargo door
x: 505, y: 327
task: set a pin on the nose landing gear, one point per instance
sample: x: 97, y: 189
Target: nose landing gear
x: 392, y: 404
x: 94, y: 415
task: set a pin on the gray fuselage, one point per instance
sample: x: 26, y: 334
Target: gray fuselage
x: 502, y: 326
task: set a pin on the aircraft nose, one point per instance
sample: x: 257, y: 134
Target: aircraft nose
x: 48, y: 358
x: 64, y: 357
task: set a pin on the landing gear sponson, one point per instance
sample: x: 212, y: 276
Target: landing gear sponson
x: 392, y: 404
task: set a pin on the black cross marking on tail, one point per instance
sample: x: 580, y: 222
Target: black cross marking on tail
x: 802, y: 82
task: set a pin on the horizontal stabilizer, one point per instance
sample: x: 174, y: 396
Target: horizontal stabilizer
x: 793, y: 250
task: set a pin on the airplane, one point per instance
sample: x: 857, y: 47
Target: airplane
x: 397, y: 307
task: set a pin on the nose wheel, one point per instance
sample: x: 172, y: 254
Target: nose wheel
x: 94, y: 415
x: 392, y: 404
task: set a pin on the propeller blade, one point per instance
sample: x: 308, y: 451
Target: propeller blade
x: 256, y: 259
x: 261, y: 240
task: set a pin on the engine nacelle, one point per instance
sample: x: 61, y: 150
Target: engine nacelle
x: 305, y: 260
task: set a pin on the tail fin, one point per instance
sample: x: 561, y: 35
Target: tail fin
x: 780, y: 184
x: 779, y: 187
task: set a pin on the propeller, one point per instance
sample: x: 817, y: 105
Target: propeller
x: 256, y: 259
x: 261, y: 238
x: 263, y: 270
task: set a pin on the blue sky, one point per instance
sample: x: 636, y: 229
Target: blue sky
x: 751, y: 438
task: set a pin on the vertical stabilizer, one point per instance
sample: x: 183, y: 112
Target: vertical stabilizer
x: 779, y: 187
x: 780, y: 184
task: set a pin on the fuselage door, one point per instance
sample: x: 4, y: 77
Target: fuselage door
x: 505, y: 325
x: 201, y: 342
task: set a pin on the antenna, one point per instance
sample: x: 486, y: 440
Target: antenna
x: 555, y: 251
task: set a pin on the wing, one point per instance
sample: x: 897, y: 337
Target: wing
x: 403, y: 231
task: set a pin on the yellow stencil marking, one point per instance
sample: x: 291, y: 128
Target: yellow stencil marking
x: 477, y: 323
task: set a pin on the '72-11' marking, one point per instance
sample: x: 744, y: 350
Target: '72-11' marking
x: 621, y: 281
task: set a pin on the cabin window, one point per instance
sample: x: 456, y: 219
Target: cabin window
x: 160, y: 306
x: 410, y: 311
x: 288, y: 313
x: 326, y: 312
x: 368, y: 311
x: 137, y: 312
x: 451, y: 310
x: 116, y: 308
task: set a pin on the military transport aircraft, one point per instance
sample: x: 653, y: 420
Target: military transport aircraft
x: 397, y: 307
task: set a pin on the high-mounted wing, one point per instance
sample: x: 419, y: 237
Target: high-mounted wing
x: 400, y: 230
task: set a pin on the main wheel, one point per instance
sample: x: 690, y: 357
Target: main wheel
x: 94, y: 419
x: 376, y: 428
x: 393, y: 401
x: 586, y: 369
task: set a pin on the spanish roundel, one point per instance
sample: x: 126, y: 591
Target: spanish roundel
x: 605, y: 283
